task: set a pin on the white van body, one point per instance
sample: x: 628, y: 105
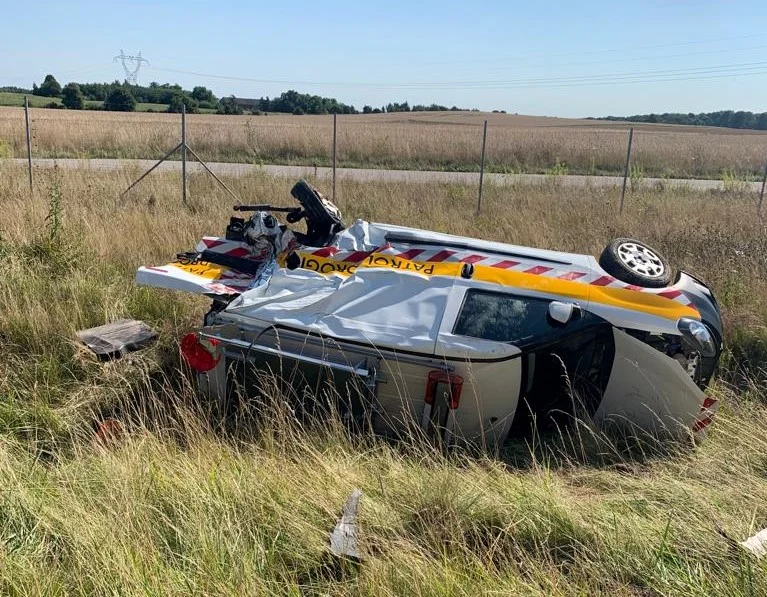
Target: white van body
x: 450, y: 333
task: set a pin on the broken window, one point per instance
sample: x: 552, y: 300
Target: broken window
x: 503, y: 317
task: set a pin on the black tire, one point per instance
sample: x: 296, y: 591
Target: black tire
x: 647, y: 268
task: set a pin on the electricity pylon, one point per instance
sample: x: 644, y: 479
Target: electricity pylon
x: 131, y: 64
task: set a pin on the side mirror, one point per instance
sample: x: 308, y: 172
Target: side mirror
x: 564, y: 313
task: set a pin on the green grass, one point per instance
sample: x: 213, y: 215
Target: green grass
x: 146, y: 107
x: 184, y: 501
x: 17, y: 99
x: 149, y: 515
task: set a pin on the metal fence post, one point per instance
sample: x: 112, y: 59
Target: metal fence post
x: 184, y: 147
x: 335, y: 138
x: 626, y: 170
x: 482, y: 168
x: 761, y: 193
x: 29, y: 141
x: 183, y: 153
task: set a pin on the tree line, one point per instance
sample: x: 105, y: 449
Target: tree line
x: 293, y: 102
x: 724, y: 118
x: 123, y: 97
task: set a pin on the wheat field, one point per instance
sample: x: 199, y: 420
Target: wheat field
x: 182, y: 502
x: 426, y: 140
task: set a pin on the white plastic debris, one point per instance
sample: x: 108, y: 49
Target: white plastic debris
x: 343, y: 539
x: 757, y: 544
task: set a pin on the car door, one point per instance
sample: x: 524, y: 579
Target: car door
x: 491, y: 372
x: 554, y: 371
x: 649, y: 390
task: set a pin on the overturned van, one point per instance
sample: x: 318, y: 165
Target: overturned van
x: 468, y: 339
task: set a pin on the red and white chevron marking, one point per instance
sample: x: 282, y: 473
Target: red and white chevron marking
x: 707, y: 412
x: 237, y: 279
x: 527, y: 266
x: 232, y: 248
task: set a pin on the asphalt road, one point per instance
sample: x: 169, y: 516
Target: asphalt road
x: 369, y: 174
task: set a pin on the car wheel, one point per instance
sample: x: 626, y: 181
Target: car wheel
x: 634, y: 262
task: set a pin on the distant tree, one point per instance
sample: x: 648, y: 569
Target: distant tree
x: 95, y: 91
x: 291, y: 100
x: 229, y: 105
x: 723, y: 118
x: 176, y: 104
x: 203, y: 94
x: 72, y: 97
x: 396, y: 107
x: 120, y: 99
x: 14, y: 89
x: 742, y: 120
x: 429, y: 108
x: 49, y: 88
x: 178, y: 101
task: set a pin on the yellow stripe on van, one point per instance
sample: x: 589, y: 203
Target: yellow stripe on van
x: 646, y: 302
x: 323, y: 265
x: 622, y: 298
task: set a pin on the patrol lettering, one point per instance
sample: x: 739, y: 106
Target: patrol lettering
x: 421, y: 267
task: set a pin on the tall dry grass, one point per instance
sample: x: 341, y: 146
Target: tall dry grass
x: 176, y: 504
x: 443, y: 141
x: 715, y: 235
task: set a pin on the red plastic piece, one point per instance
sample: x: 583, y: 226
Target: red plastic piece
x: 200, y: 355
x: 438, y: 377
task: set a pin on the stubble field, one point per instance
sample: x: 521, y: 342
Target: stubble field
x: 419, y: 141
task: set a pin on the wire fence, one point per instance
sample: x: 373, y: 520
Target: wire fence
x: 633, y: 147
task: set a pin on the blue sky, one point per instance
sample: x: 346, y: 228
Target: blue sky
x: 554, y: 58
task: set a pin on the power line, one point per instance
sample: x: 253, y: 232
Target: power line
x: 597, y: 52
x: 622, y: 75
x: 621, y: 60
x: 712, y: 71
x: 607, y: 82
x: 537, y: 55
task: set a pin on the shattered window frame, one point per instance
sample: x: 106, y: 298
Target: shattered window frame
x: 503, y: 317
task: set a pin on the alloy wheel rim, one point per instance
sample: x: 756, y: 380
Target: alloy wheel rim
x: 641, y: 260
